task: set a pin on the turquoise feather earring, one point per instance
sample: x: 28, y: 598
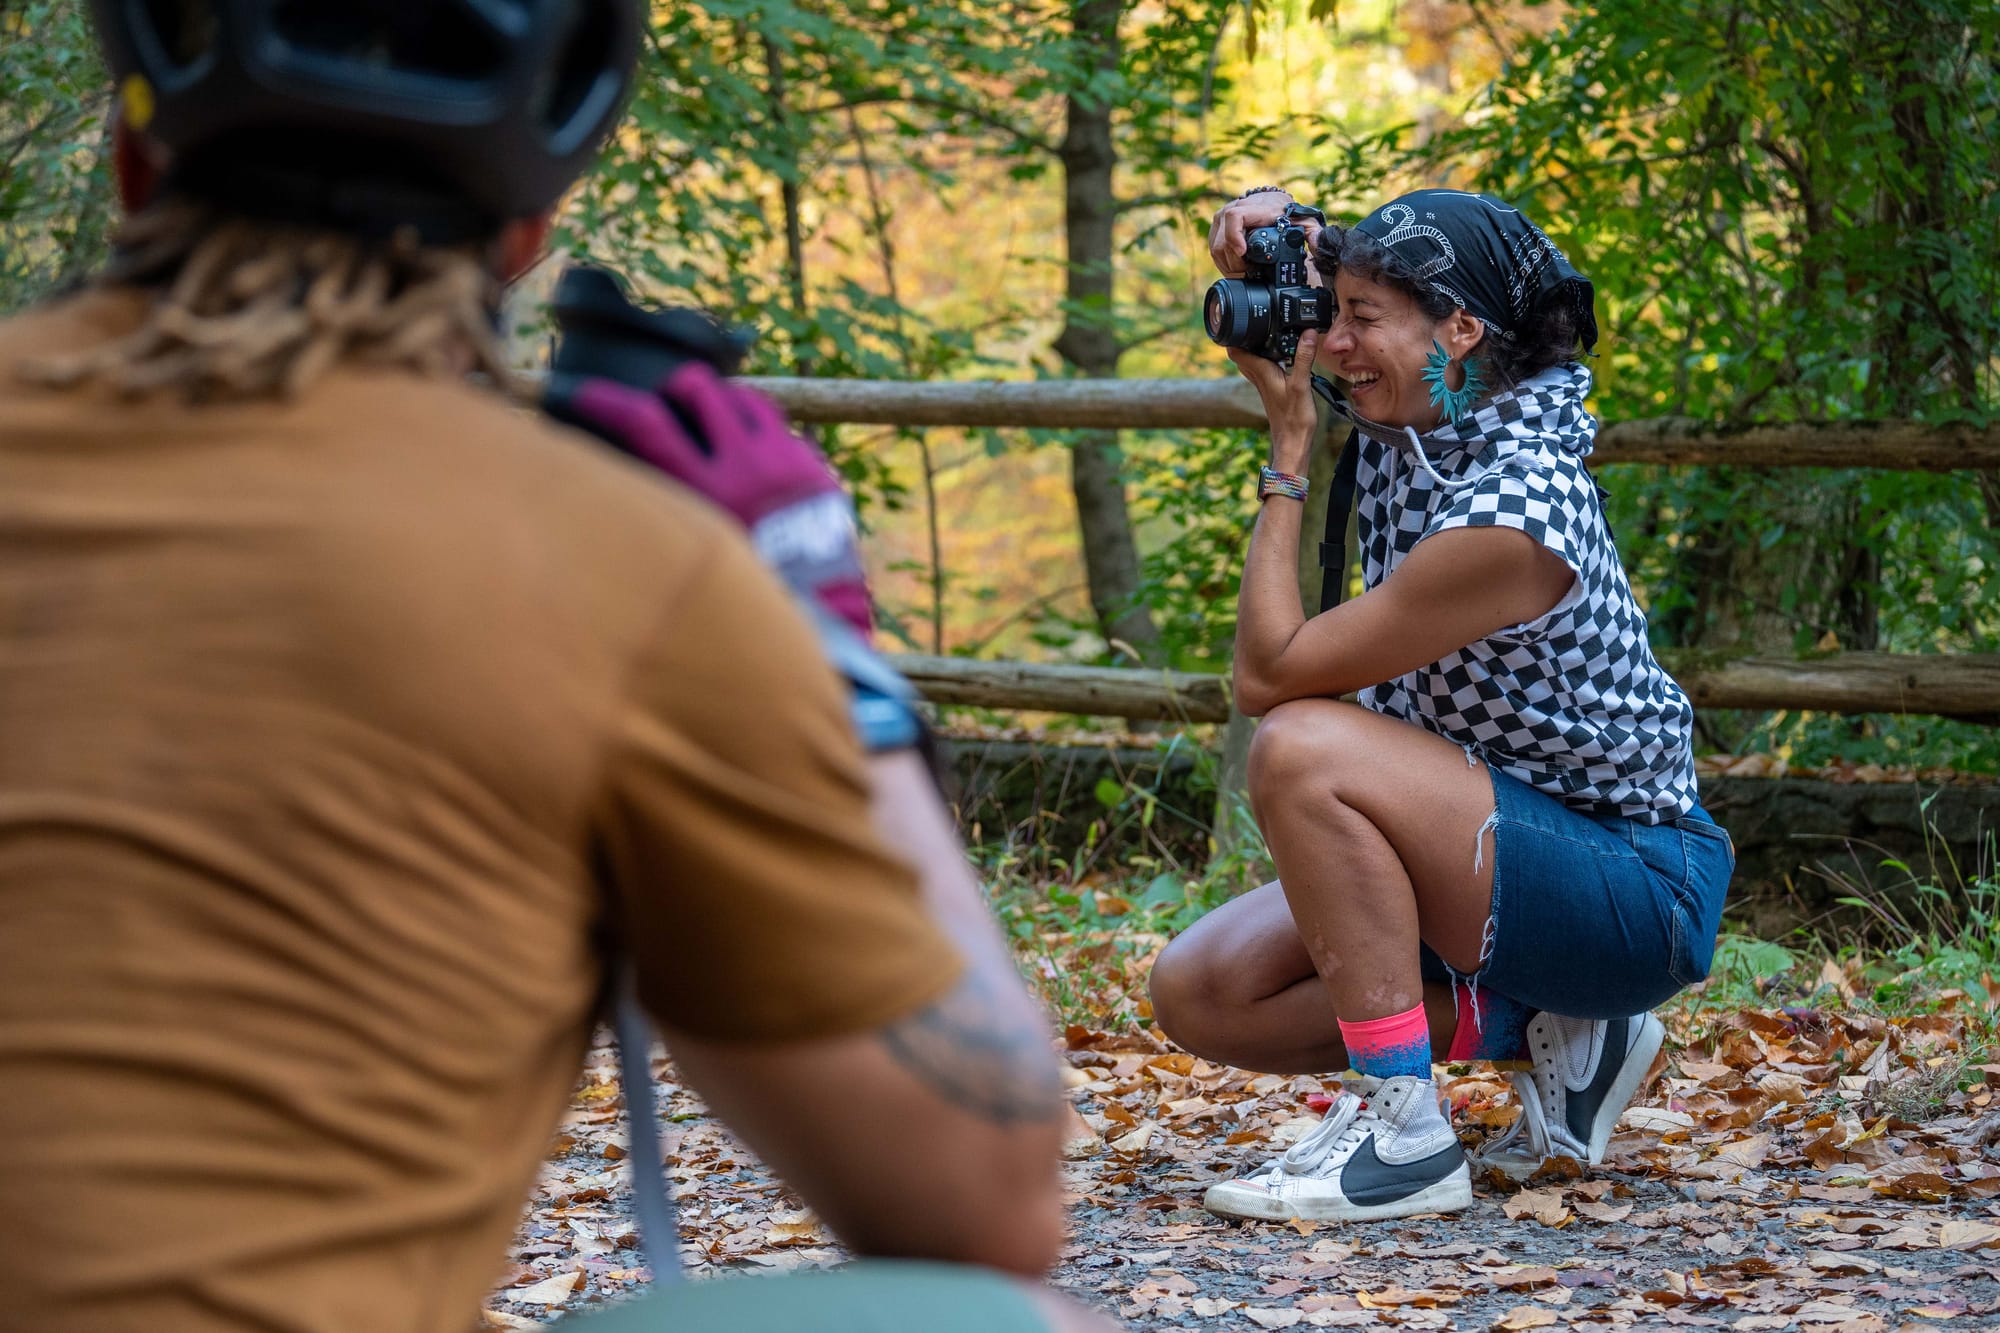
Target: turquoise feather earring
x: 1454, y: 403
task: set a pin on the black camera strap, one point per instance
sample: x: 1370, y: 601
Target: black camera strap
x: 1333, y: 550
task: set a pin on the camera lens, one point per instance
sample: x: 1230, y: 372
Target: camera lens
x: 1237, y: 313
x: 1215, y: 312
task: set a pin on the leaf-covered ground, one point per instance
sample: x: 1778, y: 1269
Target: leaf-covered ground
x: 1815, y: 1168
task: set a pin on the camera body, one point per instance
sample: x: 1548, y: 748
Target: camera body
x: 603, y: 334
x: 1266, y: 309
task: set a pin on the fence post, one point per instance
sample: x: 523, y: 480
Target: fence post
x: 1230, y: 824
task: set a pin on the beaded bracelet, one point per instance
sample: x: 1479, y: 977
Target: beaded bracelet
x: 1272, y: 482
x: 1264, y: 189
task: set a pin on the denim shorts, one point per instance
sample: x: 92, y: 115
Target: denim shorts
x: 1596, y: 916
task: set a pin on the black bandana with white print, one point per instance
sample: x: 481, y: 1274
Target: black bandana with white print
x: 1485, y: 255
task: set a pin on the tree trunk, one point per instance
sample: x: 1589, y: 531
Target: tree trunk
x: 1089, y: 341
x: 789, y: 198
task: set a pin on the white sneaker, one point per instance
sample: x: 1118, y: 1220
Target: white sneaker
x: 1587, y: 1071
x: 1389, y: 1156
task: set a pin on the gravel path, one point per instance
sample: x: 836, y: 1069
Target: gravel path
x: 1759, y: 1254
x: 1761, y: 1187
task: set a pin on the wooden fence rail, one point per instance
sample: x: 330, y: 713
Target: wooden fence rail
x: 1193, y: 403
x: 1963, y: 685
x: 1909, y: 446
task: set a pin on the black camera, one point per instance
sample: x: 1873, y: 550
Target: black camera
x: 604, y: 334
x: 1266, y: 309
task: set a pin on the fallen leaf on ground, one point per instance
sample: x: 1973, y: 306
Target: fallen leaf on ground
x: 1544, y: 1205
x: 1966, y: 1234
x: 1656, y: 1120
x: 1136, y: 1140
x: 1079, y: 1139
x: 549, y: 1291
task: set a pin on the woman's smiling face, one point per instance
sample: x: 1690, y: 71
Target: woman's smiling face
x: 1378, y: 345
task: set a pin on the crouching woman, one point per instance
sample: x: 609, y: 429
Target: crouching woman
x: 1497, y: 852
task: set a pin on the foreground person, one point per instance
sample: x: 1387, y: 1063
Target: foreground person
x: 1498, y: 851
x: 354, y: 720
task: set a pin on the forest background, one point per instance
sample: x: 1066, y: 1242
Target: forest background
x: 1788, y: 208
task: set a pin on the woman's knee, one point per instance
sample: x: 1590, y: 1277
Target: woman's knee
x: 1185, y: 987
x: 1305, y: 748
x: 1208, y: 982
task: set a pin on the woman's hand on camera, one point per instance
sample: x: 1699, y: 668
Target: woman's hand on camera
x: 1288, y: 401
x: 1238, y: 218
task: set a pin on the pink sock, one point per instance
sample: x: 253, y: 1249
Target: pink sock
x: 1491, y: 1026
x: 1389, y: 1047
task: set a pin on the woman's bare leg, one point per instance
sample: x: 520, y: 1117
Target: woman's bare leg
x: 1239, y: 988
x: 1344, y: 797
x: 1382, y: 837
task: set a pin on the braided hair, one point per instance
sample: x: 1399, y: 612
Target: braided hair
x: 244, y: 309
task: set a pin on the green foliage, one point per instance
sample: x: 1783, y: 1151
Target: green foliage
x: 1199, y: 490
x: 764, y: 139
x: 55, y: 199
x: 739, y: 106
x: 1791, y: 203
x: 1087, y: 924
x: 1788, y: 212
x: 745, y: 127
x: 1788, y: 209
x: 1921, y: 938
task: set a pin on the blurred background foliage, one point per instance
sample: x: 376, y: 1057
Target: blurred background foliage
x: 1788, y: 207
x: 56, y: 206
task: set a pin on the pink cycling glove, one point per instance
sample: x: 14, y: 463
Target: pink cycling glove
x: 745, y: 457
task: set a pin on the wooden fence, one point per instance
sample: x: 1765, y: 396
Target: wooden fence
x: 1906, y: 446
x: 1965, y: 685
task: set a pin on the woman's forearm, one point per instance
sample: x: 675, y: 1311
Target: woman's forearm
x: 1269, y: 614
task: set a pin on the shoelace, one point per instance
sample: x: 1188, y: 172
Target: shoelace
x: 1342, y: 1124
x: 1543, y: 1139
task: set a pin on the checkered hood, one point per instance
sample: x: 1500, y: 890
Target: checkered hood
x: 1573, y: 704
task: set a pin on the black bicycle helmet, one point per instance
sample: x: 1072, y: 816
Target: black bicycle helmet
x: 453, y: 116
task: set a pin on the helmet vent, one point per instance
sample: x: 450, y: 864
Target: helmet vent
x: 446, y: 40
x: 182, y: 31
x: 580, y: 71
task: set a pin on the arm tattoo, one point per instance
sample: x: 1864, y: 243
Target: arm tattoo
x: 967, y: 1049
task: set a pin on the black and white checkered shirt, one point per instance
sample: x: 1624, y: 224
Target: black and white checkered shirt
x: 1573, y: 704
